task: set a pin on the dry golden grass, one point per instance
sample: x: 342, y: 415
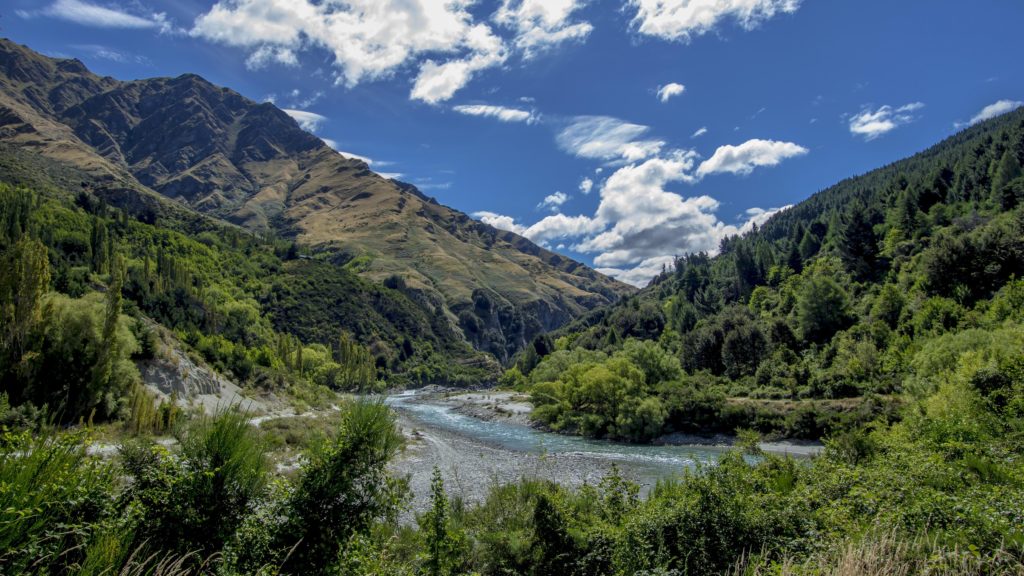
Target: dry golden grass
x: 888, y: 554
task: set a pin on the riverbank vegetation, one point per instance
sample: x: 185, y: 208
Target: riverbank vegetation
x: 939, y: 490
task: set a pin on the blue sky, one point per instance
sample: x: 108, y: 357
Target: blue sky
x: 620, y: 132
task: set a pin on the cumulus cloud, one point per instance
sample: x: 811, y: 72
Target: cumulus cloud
x: 699, y: 132
x: 554, y: 201
x: 742, y: 159
x: 991, y: 111
x: 560, y: 226
x: 670, y: 90
x: 369, y: 39
x: 439, y: 82
x: 684, y: 19
x: 94, y: 15
x: 499, y: 221
x: 608, y: 139
x: 501, y: 113
x: 640, y: 224
x: 542, y: 24
x: 308, y: 121
x: 871, y: 124
x: 373, y: 39
x: 586, y: 185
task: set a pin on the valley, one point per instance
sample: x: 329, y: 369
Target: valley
x: 230, y: 348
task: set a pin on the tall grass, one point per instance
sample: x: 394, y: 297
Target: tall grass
x: 52, y: 495
x: 888, y: 554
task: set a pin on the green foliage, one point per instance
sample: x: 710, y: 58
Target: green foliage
x: 822, y: 309
x: 342, y: 489
x: 195, y: 500
x: 445, y: 545
x: 53, y: 499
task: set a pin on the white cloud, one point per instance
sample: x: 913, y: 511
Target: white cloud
x: 542, y: 24
x: 501, y: 113
x: 369, y: 39
x: 560, y: 226
x: 639, y: 224
x: 369, y: 161
x: 700, y: 132
x: 390, y: 175
x: 265, y: 55
x: 991, y: 111
x: 683, y: 19
x: 871, y: 124
x: 758, y: 216
x: 99, y: 51
x: 499, y: 221
x: 586, y: 185
x: 309, y: 121
x: 742, y: 159
x: 87, y: 14
x: 554, y: 201
x: 439, y: 82
x: 608, y: 139
x: 669, y: 91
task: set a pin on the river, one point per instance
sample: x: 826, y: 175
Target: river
x: 475, y: 454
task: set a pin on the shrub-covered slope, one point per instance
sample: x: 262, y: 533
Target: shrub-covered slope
x: 818, y: 319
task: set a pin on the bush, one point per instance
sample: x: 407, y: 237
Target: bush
x: 195, y: 501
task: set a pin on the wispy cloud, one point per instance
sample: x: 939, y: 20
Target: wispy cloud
x: 309, y: 121
x: 700, y: 132
x: 669, y: 91
x: 501, y: 113
x: 608, y: 139
x: 871, y: 124
x: 94, y: 15
x: 107, y: 53
x: 991, y: 111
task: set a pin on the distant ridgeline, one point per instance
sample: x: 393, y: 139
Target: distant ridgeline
x: 817, y: 320
x: 410, y: 279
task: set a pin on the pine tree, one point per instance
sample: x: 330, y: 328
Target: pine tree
x: 793, y: 259
x: 809, y: 245
x: 907, y: 213
x: 858, y: 245
x: 1006, y: 171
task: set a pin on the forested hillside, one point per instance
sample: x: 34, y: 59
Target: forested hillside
x: 832, y: 313
x: 81, y: 281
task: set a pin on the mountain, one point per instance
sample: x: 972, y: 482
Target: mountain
x: 158, y: 145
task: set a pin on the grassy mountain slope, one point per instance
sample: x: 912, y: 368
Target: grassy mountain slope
x: 212, y: 150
